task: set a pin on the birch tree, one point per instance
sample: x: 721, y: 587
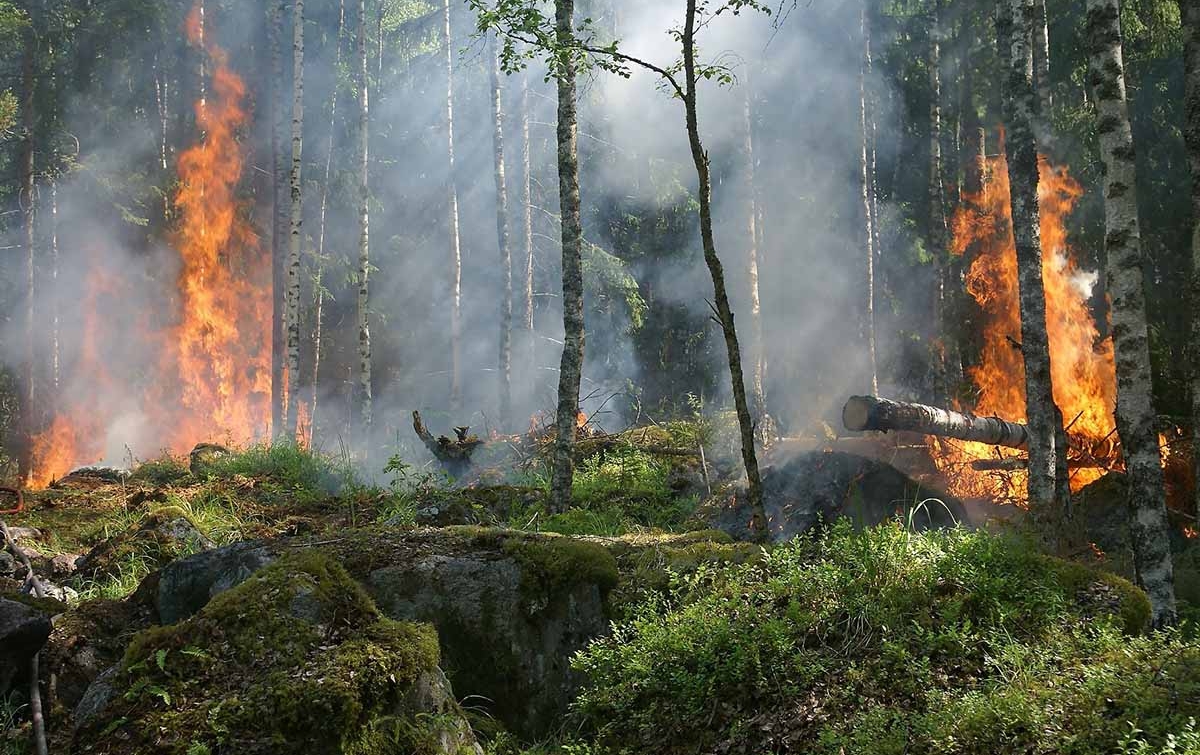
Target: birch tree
x: 945, y: 285
x: 292, y: 312
x: 504, y: 366
x: 452, y: 222
x: 527, y: 219
x: 1131, y: 336
x: 869, y: 235
x: 364, y: 222
x: 279, y: 215
x: 318, y: 275
x: 1013, y: 21
x: 758, y: 348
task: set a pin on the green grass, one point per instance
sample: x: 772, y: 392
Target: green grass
x: 286, y: 466
x: 883, y: 642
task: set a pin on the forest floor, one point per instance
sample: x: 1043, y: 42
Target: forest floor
x: 193, y: 602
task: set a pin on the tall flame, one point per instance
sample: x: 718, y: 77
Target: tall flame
x: 212, y: 376
x: 220, y: 355
x: 1081, y: 364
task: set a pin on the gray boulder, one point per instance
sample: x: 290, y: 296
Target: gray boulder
x: 23, y: 631
x: 187, y: 585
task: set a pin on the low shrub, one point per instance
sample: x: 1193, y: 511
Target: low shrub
x: 886, y: 641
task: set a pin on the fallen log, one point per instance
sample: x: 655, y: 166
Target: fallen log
x: 874, y: 413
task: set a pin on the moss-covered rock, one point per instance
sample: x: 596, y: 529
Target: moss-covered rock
x: 295, y: 659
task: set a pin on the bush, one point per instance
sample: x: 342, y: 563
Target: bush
x: 286, y: 466
x: 885, y: 641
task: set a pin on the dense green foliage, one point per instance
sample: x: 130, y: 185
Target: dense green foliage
x: 885, y: 641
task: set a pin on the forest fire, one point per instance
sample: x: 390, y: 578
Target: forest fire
x: 1081, y: 364
x: 212, y: 374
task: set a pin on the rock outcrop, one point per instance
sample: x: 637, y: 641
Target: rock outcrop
x: 297, y: 658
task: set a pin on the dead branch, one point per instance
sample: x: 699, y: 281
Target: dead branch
x: 15, y: 493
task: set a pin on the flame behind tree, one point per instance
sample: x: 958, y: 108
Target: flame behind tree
x: 1081, y: 363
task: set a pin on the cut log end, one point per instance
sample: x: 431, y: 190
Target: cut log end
x: 856, y: 414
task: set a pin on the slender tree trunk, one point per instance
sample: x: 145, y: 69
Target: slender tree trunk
x: 364, y: 224
x: 1191, y: 28
x: 1041, y: 59
x: 506, y: 302
x: 571, y: 368
x: 1013, y: 23
x: 455, y: 243
x: 724, y: 311
x: 318, y: 277
x: 758, y: 349
x: 55, y: 302
x: 938, y: 232
x: 1131, y: 336
x: 527, y: 218
x: 868, y: 214
x: 292, y: 314
x: 25, y: 194
x: 279, y: 218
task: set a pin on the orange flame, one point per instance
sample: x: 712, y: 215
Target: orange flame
x: 213, y: 378
x: 1082, y: 366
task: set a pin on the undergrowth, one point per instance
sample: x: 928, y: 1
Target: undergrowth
x: 884, y: 642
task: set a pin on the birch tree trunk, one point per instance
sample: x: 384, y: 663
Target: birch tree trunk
x: 1191, y: 132
x: 455, y: 243
x: 506, y: 302
x: 868, y: 213
x: 25, y: 195
x: 1013, y: 24
x: 279, y: 217
x: 571, y: 368
x: 364, y: 224
x: 938, y: 233
x: 1131, y: 337
x: 724, y: 312
x: 292, y: 313
x: 758, y: 350
x: 527, y: 219
x: 318, y: 282
x: 1041, y: 59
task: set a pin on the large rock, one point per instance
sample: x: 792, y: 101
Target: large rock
x: 24, y: 629
x: 1104, y: 508
x: 295, y: 659
x: 187, y: 585
x: 820, y: 487
x: 510, y: 615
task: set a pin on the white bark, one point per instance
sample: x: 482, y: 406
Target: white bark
x: 1131, y: 337
x: 1045, y: 493
x: 504, y: 365
x: 364, y: 225
x: 292, y: 310
x: 455, y: 243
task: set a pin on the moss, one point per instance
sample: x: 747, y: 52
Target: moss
x: 553, y: 565
x: 48, y: 606
x: 295, y: 658
x: 1099, y: 591
x: 168, y: 470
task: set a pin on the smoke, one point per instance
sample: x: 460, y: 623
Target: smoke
x: 802, y: 81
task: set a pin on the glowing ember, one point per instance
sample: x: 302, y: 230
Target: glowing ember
x: 1082, y: 365
x: 212, y: 378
